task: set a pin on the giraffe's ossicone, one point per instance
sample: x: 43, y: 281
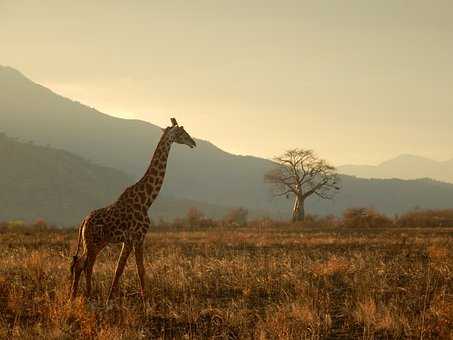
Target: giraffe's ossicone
x: 125, y: 221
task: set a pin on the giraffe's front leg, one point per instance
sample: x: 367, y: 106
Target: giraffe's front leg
x: 138, y: 250
x: 125, y: 251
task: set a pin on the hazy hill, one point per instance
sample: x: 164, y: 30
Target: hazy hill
x: 391, y: 196
x: 42, y: 182
x: 404, y: 167
x: 207, y: 174
x: 204, y: 174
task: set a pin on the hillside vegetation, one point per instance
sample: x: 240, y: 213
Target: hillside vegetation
x: 41, y: 182
x: 38, y: 182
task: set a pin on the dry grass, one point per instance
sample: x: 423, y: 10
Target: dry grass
x: 271, y: 283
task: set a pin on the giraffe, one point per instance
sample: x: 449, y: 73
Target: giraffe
x: 125, y: 221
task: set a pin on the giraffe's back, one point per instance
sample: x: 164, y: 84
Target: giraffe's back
x: 116, y: 224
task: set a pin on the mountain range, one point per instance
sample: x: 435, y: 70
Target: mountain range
x: 404, y: 167
x: 205, y: 177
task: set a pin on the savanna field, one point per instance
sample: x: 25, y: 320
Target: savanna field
x: 236, y: 283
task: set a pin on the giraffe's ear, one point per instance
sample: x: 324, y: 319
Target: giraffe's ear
x: 174, y: 122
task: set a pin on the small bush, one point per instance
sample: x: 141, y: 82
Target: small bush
x: 194, y: 217
x: 365, y: 218
x: 40, y: 225
x: 237, y: 217
x: 426, y: 218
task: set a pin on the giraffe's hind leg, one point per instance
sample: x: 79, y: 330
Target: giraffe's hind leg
x: 76, y: 269
x: 88, y: 269
x: 90, y: 259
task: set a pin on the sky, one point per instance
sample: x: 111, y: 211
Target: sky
x: 357, y: 81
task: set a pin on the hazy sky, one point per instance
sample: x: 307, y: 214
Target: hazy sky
x: 358, y: 81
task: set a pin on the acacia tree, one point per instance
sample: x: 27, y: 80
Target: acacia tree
x: 300, y: 173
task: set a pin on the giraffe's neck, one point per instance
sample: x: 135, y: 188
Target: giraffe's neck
x: 145, y: 191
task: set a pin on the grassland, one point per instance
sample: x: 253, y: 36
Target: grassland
x: 261, y: 283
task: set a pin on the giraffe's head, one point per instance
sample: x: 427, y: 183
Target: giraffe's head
x: 180, y: 135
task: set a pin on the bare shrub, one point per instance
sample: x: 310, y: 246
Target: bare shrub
x: 365, y: 218
x: 194, y: 217
x: 237, y: 217
x: 426, y: 218
x: 40, y: 224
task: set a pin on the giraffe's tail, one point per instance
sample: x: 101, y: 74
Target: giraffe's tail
x: 75, y: 257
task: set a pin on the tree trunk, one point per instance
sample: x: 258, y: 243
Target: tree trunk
x: 299, y: 209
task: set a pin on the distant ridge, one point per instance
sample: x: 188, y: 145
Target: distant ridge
x: 405, y: 167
